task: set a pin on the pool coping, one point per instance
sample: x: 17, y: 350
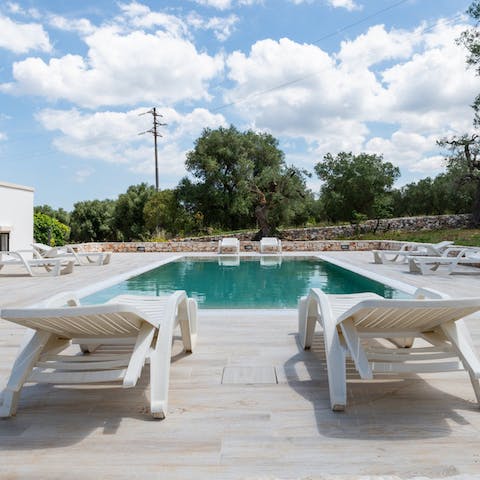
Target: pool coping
x: 96, y: 287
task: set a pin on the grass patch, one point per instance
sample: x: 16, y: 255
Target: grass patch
x: 461, y: 236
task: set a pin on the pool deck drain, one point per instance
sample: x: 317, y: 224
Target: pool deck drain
x: 248, y: 375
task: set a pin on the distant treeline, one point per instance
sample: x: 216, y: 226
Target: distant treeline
x: 239, y: 180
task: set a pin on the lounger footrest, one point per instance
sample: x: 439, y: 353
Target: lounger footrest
x: 416, y: 367
x: 84, y: 358
x: 67, y: 378
x: 84, y: 366
x: 411, y: 356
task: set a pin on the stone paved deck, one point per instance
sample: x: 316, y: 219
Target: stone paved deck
x: 426, y: 425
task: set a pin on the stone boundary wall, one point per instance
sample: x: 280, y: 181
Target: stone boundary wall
x: 315, y: 239
x: 245, y: 246
x: 405, y: 224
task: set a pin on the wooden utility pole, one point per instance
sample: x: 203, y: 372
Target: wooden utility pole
x: 154, y: 131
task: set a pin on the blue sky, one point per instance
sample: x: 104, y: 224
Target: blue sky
x: 381, y: 76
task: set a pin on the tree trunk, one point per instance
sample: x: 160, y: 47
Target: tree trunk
x: 261, y: 214
x: 476, y: 206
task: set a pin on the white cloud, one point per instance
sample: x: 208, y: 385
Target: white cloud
x: 408, y: 150
x: 314, y: 89
x: 3, y: 136
x: 350, y: 5
x: 377, y: 45
x: 226, y: 4
x: 120, y: 69
x: 22, y: 37
x: 299, y: 90
x: 113, y: 137
x: 222, y: 27
x: 82, y: 25
x: 433, y: 88
x: 347, y: 4
x: 220, y: 4
x: 15, y: 9
x: 140, y: 16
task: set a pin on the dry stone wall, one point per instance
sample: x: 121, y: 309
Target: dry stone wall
x: 301, y: 239
x: 245, y: 246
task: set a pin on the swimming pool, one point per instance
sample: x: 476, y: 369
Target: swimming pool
x: 253, y: 282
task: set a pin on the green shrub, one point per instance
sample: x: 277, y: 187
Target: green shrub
x: 48, y: 230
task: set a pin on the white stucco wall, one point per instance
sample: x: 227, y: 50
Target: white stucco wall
x: 16, y: 214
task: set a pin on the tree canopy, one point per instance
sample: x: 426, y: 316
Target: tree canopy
x: 91, y: 221
x: 128, y: 218
x: 470, y: 38
x: 241, y: 179
x: 464, y: 165
x: 354, y: 184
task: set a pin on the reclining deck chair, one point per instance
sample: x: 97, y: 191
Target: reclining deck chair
x: 53, y: 266
x: 270, y: 245
x: 410, y: 249
x: 229, y: 245
x: 453, y: 264
x: 347, y: 318
x: 146, y: 323
x: 76, y: 252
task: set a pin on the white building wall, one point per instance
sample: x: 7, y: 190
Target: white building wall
x: 16, y: 214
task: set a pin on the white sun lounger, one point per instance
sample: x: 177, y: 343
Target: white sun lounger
x: 270, y: 245
x: 229, y: 260
x: 426, y: 265
x: 431, y: 249
x: 76, y: 251
x: 52, y: 266
x: 229, y: 245
x: 271, y: 260
x: 145, y: 323
x: 347, y: 318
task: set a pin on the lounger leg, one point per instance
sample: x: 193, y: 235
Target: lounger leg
x: 356, y: 350
x: 307, y: 319
x: 336, y: 368
x: 68, y: 268
x: 458, y: 334
x: 22, y: 367
x: 187, y: 314
x: 160, y: 359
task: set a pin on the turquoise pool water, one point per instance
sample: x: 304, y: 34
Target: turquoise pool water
x: 270, y: 283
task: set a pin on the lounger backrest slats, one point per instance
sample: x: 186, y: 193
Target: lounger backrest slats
x: 77, y: 322
x: 409, y: 315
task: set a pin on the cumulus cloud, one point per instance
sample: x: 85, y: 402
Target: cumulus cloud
x: 138, y: 15
x: 113, y: 137
x: 408, y: 150
x: 376, y: 46
x: 120, y: 69
x: 226, y: 4
x: 313, y: 88
x: 347, y: 4
x: 15, y: 9
x: 81, y: 25
x: 23, y: 37
x: 414, y: 81
x: 222, y: 27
